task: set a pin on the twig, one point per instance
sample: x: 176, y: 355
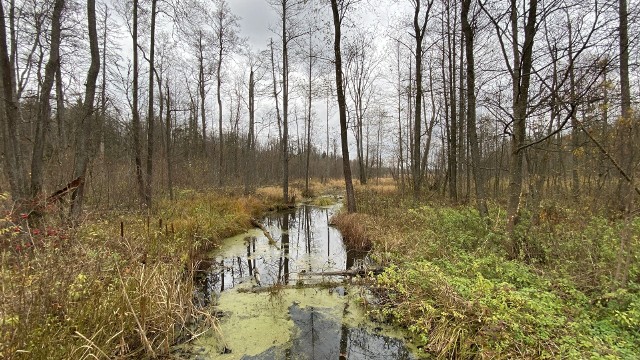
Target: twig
x: 605, y: 153
x: 93, y: 345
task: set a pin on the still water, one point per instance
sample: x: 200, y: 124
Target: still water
x: 299, y: 320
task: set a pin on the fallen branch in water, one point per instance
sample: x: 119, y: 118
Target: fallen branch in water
x: 351, y: 272
x: 275, y: 288
x: 259, y: 225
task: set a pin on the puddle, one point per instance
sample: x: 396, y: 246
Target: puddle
x: 299, y: 321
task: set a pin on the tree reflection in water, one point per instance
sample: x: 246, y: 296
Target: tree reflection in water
x: 317, y: 337
x: 305, y: 244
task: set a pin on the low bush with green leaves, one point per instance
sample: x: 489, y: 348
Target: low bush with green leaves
x: 449, y: 282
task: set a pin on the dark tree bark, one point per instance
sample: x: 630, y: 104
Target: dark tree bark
x: 453, y: 146
x: 150, y: 116
x: 342, y: 107
x: 285, y: 105
x: 625, y: 88
x: 419, y: 31
x: 169, y: 143
x: 14, y: 166
x: 137, y: 150
x: 472, y: 132
x: 250, y: 157
x: 44, y: 106
x: 521, y: 78
x: 62, y: 133
x: 87, y: 124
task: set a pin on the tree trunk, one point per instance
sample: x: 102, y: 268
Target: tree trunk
x: 137, y: 150
x: 86, y: 125
x: 62, y: 133
x: 400, y: 139
x: 309, y: 107
x: 203, y: 94
x: 342, y: 106
x: 575, y: 141
x: 103, y: 95
x: 462, y: 158
x: 150, y: 115
x: 250, y: 165
x: 168, y: 145
x: 453, y: 157
x: 44, y: 107
x: 521, y: 74
x: 472, y: 132
x: 285, y: 107
x: 14, y: 166
x: 625, y: 95
x: 275, y: 91
x: 219, y: 98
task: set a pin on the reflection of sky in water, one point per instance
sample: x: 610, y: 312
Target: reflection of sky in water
x: 321, y: 327
x: 317, y: 336
x: 305, y: 243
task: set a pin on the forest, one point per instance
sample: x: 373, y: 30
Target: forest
x: 485, y: 152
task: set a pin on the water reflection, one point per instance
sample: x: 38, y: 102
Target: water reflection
x: 317, y: 336
x: 304, y: 244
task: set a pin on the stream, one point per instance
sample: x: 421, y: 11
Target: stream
x: 274, y: 302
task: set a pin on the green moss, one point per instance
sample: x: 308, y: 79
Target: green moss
x: 253, y: 323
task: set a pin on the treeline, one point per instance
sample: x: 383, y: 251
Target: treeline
x: 519, y: 101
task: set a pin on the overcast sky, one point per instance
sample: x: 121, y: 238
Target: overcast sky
x: 257, y: 16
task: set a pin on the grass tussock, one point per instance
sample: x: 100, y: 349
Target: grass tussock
x: 116, y: 286
x: 353, y: 228
x: 449, y: 282
x: 323, y: 201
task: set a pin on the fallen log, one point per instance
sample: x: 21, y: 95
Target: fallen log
x: 275, y: 288
x: 259, y: 225
x: 351, y: 272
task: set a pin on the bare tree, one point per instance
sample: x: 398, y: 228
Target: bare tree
x: 87, y: 121
x: 419, y: 28
x: 10, y: 129
x: 227, y: 40
x: 311, y: 59
x: 289, y: 31
x: 520, y: 71
x: 339, y: 9
x: 472, y: 133
x: 361, y: 73
x: 251, y: 138
x: 150, y: 114
x: 44, y: 106
x: 135, y: 123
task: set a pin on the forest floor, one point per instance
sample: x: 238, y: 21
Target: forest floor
x: 121, y: 283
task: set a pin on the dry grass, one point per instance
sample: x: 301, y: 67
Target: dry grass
x: 354, y: 229
x: 90, y: 293
x: 272, y: 193
x: 380, y: 186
